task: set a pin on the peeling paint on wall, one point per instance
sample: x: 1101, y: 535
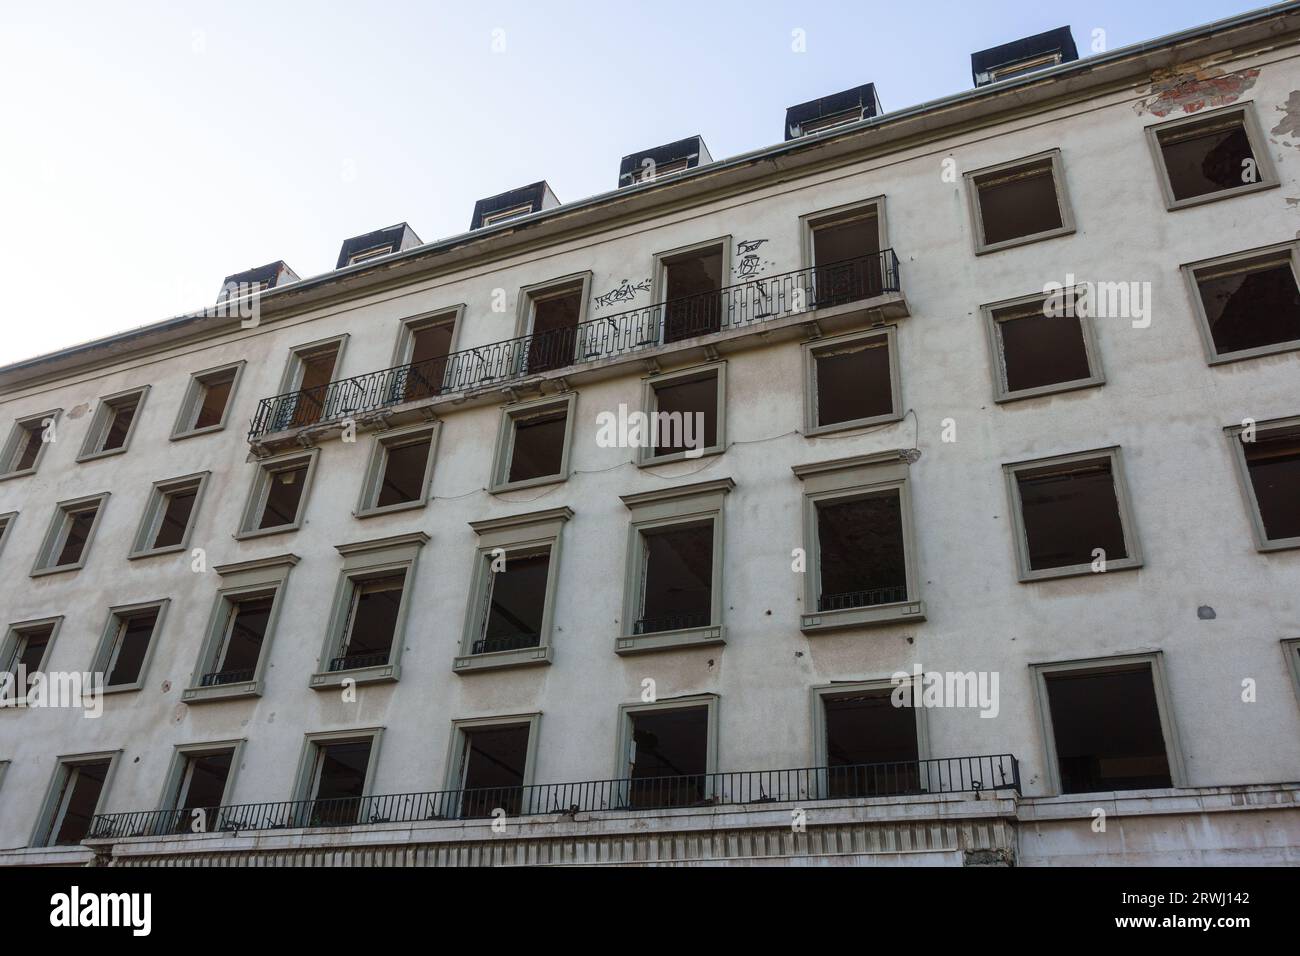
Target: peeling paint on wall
x: 1289, y: 125
x: 1190, y: 87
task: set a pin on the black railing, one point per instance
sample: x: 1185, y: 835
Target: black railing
x: 354, y: 661
x: 946, y: 775
x: 749, y: 303
x: 870, y: 598
x: 219, y: 678
x: 512, y: 642
x: 672, y: 622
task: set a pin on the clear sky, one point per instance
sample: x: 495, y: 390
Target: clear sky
x: 151, y: 148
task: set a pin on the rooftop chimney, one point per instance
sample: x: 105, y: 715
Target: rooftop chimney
x: 1019, y: 57
x: 513, y: 205
x: 261, y: 277
x: 372, y: 245
x: 650, y: 164
x: 828, y: 112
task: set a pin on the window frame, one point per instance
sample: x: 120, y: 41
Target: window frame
x: 455, y: 773
x: 811, y: 221
x: 1224, y: 263
x: 503, y: 454
x: 623, y: 744
x: 659, y: 282
x: 48, y: 820
x: 191, y: 402
x: 245, y: 580
x: 56, y: 534
x: 155, y: 510
x: 974, y: 209
x: 531, y: 294
x: 666, y: 508
x: 811, y: 352
x: 102, y: 420
x: 1242, y: 470
x: 1123, y: 501
x: 522, y: 535
x: 650, y: 407
x: 1254, y: 137
x: 452, y: 315
x: 169, y: 800
x: 1291, y: 651
x: 19, y: 427
x: 7, y: 521
x: 15, y: 632
x: 383, y: 442
x: 117, y: 615
x: 1164, y: 707
x: 305, y: 782
x: 364, y: 561
x: 850, y: 479
x: 1002, y: 394
x: 820, y: 692
x: 257, y: 493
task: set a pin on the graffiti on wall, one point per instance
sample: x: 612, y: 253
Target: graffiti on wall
x: 625, y: 292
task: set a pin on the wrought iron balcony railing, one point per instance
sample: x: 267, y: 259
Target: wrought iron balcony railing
x: 747, y: 304
x: 221, y: 678
x: 512, y: 642
x: 869, y: 598
x: 945, y: 775
x: 357, y: 661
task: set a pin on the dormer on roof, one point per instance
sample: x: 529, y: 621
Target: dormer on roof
x: 372, y: 245
x: 513, y: 205
x: 1038, y: 52
x: 260, y: 277
x: 650, y: 164
x: 828, y: 112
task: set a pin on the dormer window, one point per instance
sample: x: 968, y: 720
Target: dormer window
x: 505, y: 215
x: 650, y: 172
x: 831, y: 122
x: 1021, y: 57
x: 367, y: 254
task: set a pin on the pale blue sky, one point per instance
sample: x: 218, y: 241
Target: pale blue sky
x: 151, y: 148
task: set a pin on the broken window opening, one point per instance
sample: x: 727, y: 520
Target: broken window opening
x: 78, y: 796
x: 871, y: 745
x: 178, y: 505
x: 1208, y: 157
x: 1039, y: 350
x: 681, y: 408
x: 371, y: 623
x: 862, y: 558
x: 130, y: 645
x: 846, y: 257
x: 1251, y: 305
x: 516, y: 604
x: 405, y: 466
x: 236, y: 659
x: 854, y: 382
x: 537, y: 445
x: 693, y: 285
x: 669, y: 760
x: 284, y: 489
x: 1069, y: 512
x: 493, y: 766
x: 677, y: 588
x: 339, y: 782
x: 1273, y: 463
x: 1018, y: 203
x: 554, y: 328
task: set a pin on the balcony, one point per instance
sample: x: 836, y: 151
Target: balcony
x: 708, y: 321
x: 915, y: 778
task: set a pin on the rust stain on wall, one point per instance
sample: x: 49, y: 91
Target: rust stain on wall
x: 1190, y: 87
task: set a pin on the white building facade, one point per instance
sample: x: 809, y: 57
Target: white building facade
x: 375, y: 568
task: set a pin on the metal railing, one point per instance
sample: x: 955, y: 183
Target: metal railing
x: 356, y: 661
x: 944, y: 775
x: 869, y: 598
x: 220, y: 678
x: 749, y: 303
x: 512, y: 642
x: 672, y: 622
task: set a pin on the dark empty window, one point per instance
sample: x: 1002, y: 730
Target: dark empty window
x: 29, y: 651
x: 177, y: 507
x: 537, y: 445
x: 76, y: 532
x: 870, y: 745
x: 1069, y: 511
x: 284, y: 487
x: 686, y: 415
x: 340, y: 782
x: 214, y: 393
x: 315, y: 370
x: 130, y: 644
x: 493, y: 763
x: 1107, y: 731
x: 203, y: 781
x: 405, y: 466
x: 29, y: 446
x: 669, y: 759
x: 853, y: 381
x: 555, y: 329
x: 246, y: 624
x: 692, y: 290
x: 516, y: 604
x: 846, y: 256
x: 430, y: 346
x: 1207, y: 157
x: 1252, y: 305
x: 118, y: 425
x: 862, y: 559
x: 677, y: 591
x: 1273, y: 461
x: 1018, y: 202
x: 372, y: 622
x: 1038, y: 350
x: 78, y: 797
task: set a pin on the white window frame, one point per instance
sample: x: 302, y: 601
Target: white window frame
x: 261, y: 486
x: 9, y: 454
x: 56, y: 534
x: 102, y: 421
x: 190, y: 405
x: 110, y: 642
x: 156, y: 509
